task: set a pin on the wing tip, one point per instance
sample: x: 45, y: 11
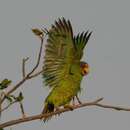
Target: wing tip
x: 62, y: 25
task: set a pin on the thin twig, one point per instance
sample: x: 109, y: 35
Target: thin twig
x: 23, y: 66
x: 39, y: 57
x: 5, y: 108
x: 14, y: 88
x: 35, y: 75
x: 118, y: 108
x: 28, y: 76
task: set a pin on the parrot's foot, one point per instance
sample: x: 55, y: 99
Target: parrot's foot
x: 69, y: 107
x: 78, y: 99
x: 57, y: 108
x: 24, y: 116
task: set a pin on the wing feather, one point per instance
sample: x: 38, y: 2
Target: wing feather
x: 58, y: 52
x: 80, y: 42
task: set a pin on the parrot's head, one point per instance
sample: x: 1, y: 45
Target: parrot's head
x: 84, y: 68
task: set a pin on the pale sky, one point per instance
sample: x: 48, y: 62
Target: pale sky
x: 108, y: 54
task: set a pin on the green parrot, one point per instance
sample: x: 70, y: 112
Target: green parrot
x: 62, y: 69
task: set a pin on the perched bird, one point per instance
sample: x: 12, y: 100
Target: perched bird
x: 62, y: 69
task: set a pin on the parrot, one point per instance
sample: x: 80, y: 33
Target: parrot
x: 63, y: 69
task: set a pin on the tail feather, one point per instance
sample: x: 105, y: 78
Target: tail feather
x: 49, y: 107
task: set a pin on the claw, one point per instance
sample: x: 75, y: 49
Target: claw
x: 24, y: 116
x: 57, y: 109
x: 69, y: 107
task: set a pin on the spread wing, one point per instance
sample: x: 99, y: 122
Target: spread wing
x: 61, y: 51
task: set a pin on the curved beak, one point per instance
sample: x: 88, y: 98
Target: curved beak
x: 86, y: 70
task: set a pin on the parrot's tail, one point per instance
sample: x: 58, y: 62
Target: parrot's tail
x: 49, y: 107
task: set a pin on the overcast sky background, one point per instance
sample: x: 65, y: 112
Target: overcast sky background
x: 108, y: 54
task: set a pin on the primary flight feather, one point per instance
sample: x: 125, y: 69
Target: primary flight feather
x: 62, y: 69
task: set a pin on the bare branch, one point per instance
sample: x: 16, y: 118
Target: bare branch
x: 119, y: 108
x: 41, y: 116
x: 35, y: 75
x: 28, y: 76
x: 5, y: 108
x: 62, y: 110
x: 14, y: 88
x: 39, y: 57
x: 23, y: 66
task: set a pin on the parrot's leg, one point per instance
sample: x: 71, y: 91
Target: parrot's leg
x: 73, y: 101
x: 22, y: 110
x: 78, y: 99
x: 69, y: 106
